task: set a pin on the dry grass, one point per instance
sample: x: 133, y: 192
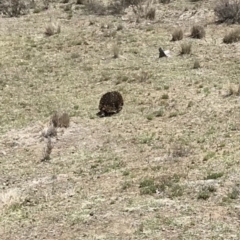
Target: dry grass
x: 165, y: 167
x: 186, y: 48
x: 116, y: 50
x: 196, y: 64
x: 52, y: 29
x: 177, y: 35
x: 228, y: 11
x: 232, y: 37
x: 95, y: 6
x: 197, y: 32
x: 14, y: 8
x: 164, y: 1
x: 150, y: 13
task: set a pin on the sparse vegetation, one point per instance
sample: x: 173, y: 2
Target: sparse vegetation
x: 186, y: 48
x: 158, y: 113
x: 150, y: 13
x: 142, y: 173
x: 197, y: 32
x: 204, y: 194
x: 150, y: 117
x: 234, y: 193
x: 232, y: 37
x: 147, y: 186
x: 47, y: 150
x: 52, y: 29
x: 13, y: 8
x: 165, y: 96
x: 164, y: 1
x: 214, y: 175
x: 177, y: 35
x: 196, y: 64
x: 208, y: 156
x: 95, y: 6
x: 228, y: 11
x: 115, y: 50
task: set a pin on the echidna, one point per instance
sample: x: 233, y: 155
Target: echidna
x: 110, y: 103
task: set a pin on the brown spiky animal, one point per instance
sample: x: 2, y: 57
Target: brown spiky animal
x: 110, y: 103
x: 60, y: 119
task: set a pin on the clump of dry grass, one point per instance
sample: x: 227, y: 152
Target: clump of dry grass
x: 164, y: 1
x: 119, y: 27
x: 80, y: 1
x: 50, y: 131
x: 231, y: 90
x: 177, y: 35
x: 197, y: 32
x: 238, y: 90
x: 13, y: 8
x: 60, y: 119
x: 144, y: 76
x: 233, y: 36
x: 116, y: 50
x: 150, y: 13
x: 228, y: 11
x: 10, y: 197
x: 186, y: 48
x: 47, y: 150
x: 95, y: 6
x: 52, y: 29
x: 196, y: 64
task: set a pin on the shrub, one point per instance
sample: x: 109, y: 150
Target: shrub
x: 141, y: 11
x: 214, y: 175
x: 196, y: 64
x: 177, y: 35
x: 13, y: 8
x: 233, y: 36
x: 186, y: 48
x: 147, y: 186
x: 228, y: 11
x: 118, y: 6
x: 95, y: 6
x: 115, y: 49
x: 52, y: 29
x: 197, y: 32
x: 80, y: 2
x: 164, y: 1
x: 150, y: 13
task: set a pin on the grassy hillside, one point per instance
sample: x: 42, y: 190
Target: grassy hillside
x: 165, y: 167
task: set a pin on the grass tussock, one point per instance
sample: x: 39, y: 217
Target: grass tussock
x: 177, y: 35
x: 14, y: 8
x: 196, y: 64
x: 228, y: 11
x: 116, y: 50
x: 142, y: 10
x: 197, y: 32
x: 232, y: 37
x: 52, y: 29
x: 164, y: 1
x: 150, y: 13
x: 186, y: 48
x: 95, y: 6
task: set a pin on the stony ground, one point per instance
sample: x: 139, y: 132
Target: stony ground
x: 165, y: 167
